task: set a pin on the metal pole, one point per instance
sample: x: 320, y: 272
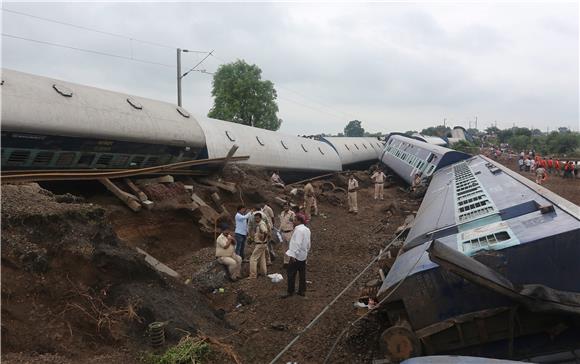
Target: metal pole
x: 179, y: 76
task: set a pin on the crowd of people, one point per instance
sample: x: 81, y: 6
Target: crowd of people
x: 258, y: 226
x: 542, y: 167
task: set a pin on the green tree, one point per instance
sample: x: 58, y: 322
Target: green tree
x: 354, y: 129
x: 438, y: 131
x: 519, y: 142
x: 411, y: 132
x: 465, y: 146
x: 240, y: 95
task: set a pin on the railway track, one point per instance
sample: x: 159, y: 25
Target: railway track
x: 85, y: 175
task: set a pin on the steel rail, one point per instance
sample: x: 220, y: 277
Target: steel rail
x: 92, y: 175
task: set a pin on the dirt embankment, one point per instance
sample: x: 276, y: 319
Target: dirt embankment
x: 72, y: 292
x: 74, y: 289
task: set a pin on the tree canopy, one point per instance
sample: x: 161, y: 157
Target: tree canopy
x: 354, y: 129
x: 240, y: 95
x: 438, y: 131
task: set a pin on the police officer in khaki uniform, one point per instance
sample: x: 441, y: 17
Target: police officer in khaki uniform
x: 286, y: 228
x: 310, y: 200
x: 225, y: 253
x: 352, y: 197
x: 258, y: 258
x: 379, y: 179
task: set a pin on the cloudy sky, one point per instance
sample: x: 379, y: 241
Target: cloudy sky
x: 393, y: 65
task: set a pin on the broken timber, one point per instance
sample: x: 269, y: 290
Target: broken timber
x: 227, y: 186
x: 131, y: 201
x: 136, y: 190
x: 160, y: 267
x: 229, y: 156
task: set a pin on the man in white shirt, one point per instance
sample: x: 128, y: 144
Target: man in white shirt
x: 298, y: 253
x: 379, y: 179
x: 352, y: 188
x: 226, y: 255
x: 276, y: 180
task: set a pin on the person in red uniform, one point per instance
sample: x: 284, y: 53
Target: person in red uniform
x: 550, y: 165
x: 557, y: 166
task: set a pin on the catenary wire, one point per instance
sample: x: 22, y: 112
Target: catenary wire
x: 86, y: 50
x: 96, y: 30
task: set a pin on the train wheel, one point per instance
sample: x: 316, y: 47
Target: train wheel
x: 399, y: 343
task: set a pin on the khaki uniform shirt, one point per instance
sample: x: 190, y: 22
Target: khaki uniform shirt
x: 268, y: 211
x: 352, y: 185
x: 286, y: 221
x: 378, y: 177
x: 220, y: 247
x: 308, y: 190
x: 261, y: 233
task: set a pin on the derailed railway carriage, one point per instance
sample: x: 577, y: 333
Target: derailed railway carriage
x: 50, y: 124
x: 407, y: 156
x: 491, y: 265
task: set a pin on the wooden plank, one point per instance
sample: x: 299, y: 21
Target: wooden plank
x: 136, y: 190
x: 227, y: 186
x: 160, y: 267
x: 229, y: 156
x: 131, y: 201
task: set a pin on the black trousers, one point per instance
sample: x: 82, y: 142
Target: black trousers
x: 297, y: 266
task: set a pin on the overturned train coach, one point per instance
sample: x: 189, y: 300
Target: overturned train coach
x: 407, y: 156
x: 491, y: 266
x: 52, y: 124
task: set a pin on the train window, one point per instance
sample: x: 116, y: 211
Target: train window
x: 365, y: 146
x: 230, y: 137
x: 120, y: 160
x: 430, y: 157
x: 136, y: 161
x: 356, y: 146
x: 259, y: 140
x: 183, y: 112
x: 105, y: 159
x: 483, y: 242
x: 347, y: 148
x: 378, y: 144
x: 283, y: 144
x: 63, y: 90
x: 86, y: 159
x: 134, y: 103
x: 19, y: 157
x: 320, y: 149
x: 65, y: 159
x: 390, y: 141
x: 150, y: 162
x: 42, y: 158
x: 304, y: 148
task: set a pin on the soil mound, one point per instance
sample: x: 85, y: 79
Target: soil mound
x: 71, y: 289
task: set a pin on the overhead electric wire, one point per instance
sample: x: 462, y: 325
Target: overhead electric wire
x: 96, y: 30
x: 87, y: 50
x: 198, y: 63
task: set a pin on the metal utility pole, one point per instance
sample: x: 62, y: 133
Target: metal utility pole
x: 178, y: 76
x: 476, y: 122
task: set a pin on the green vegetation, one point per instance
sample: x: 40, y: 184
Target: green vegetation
x: 438, y: 131
x: 354, y: 129
x: 558, y: 142
x: 188, y: 350
x: 240, y: 95
x: 466, y: 147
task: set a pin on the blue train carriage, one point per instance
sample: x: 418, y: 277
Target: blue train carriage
x: 52, y: 124
x: 407, y: 156
x: 491, y: 266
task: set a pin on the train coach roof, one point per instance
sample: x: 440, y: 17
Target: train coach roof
x: 353, y: 150
x: 479, y: 192
x: 269, y: 149
x: 433, y: 148
x: 35, y: 104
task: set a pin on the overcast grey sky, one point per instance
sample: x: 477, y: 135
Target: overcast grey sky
x: 395, y: 66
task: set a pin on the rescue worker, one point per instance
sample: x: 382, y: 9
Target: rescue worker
x: 310, y: 200
x: 557, y: 166
x: 541, y: 175
x: 550, y: 165
x: 225, y: 253
x: 352, y: 194
x: 241, y: 231
x: 286, y: 227
x: 417, y: 182
x: 569, y: 169
x: 298, y: 253
x: 379, y: 179
x: 258, y: 257
x: 252, y: 224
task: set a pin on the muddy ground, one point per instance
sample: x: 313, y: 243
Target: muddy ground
x: 75, y: 291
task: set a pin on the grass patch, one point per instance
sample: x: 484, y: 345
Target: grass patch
x: 189, y: 350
